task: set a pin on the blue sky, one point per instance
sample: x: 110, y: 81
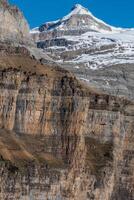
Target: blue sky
x: 115, y: 12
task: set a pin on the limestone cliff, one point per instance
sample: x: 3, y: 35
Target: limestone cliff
x: 13, y: 26
x: 60, y: 139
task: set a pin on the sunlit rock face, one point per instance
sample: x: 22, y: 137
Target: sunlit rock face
x: 60, y: 139
x: 13, y: 26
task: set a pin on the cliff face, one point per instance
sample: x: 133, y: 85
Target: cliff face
x: 60, y: 139
x: 13, y: 26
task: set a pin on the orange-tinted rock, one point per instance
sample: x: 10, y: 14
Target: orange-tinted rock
x: 60, y: 139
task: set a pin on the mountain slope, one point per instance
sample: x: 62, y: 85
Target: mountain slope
x: 79, y: 18
x: 99, y: 54
x: 78, y: 21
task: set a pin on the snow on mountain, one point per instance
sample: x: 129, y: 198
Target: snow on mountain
x: 78, y: 18
x: 35, y: 30
x: 81, y: 38
x: 95, y: 50
x: 80, y: 10
x: 97, y: 53
x: 77, y: 10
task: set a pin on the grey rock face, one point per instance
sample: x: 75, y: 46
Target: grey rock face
x: 115, y: 79
x: 13, y: 26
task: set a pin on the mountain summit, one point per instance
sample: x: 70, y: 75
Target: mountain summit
x: 79, y: 10
x: 78, y: 19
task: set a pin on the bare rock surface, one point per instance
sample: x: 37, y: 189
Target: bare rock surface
x: 13, y: 26
x: 60, y: 139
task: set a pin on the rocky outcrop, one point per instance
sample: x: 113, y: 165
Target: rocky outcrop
x: 60, y: 139
x: 13, y: 26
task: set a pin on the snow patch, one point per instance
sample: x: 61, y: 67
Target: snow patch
x: 35, y: 30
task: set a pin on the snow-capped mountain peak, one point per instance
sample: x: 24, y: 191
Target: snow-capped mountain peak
x: 77, y: 10
x: 80, y: 18
x: 97, y: 53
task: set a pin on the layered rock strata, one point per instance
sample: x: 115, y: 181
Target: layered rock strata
x: 60, y: 139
